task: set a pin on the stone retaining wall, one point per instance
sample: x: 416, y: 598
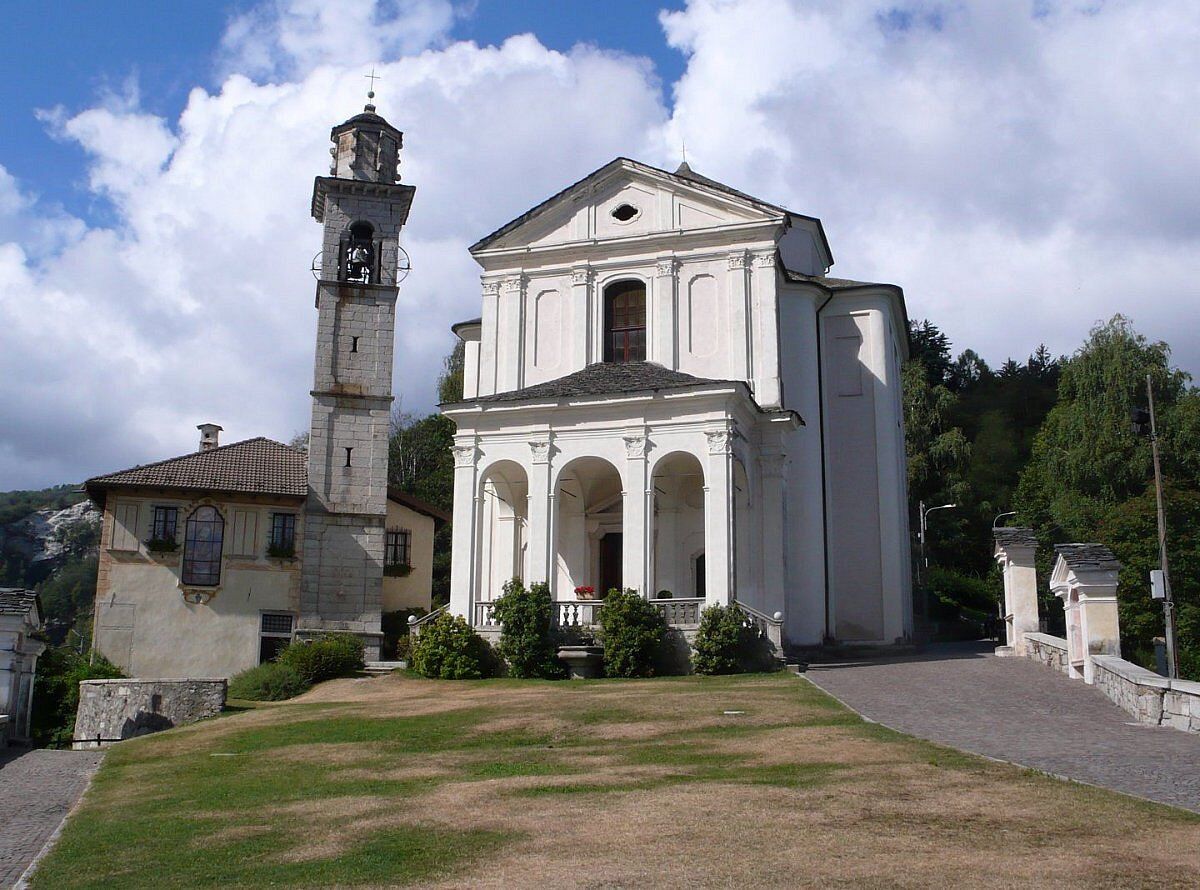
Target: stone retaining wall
x: 1147, y: 696
x: 120, y: 709
x: 1050, y: 651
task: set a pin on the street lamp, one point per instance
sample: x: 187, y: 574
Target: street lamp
x: 923, y: 561
x: 1146, y: 423
x: 999, y: 516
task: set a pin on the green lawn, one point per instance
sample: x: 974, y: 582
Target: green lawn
x: 398, y: 781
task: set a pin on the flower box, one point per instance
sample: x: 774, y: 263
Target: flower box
x: 399, y: 570
x: 585, y: 592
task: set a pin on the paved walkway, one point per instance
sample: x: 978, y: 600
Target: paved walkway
x: 1013, y: 709
x: 37, y: 789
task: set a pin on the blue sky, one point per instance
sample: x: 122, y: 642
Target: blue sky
x: 167, y: 48
x: 155, y: 239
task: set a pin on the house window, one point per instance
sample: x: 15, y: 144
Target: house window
x: 399, y: 548
x: 283, y: 535
x: 275, y: 636
x: 202, y: 548
x: 165, y: 521
x: 625, y: 322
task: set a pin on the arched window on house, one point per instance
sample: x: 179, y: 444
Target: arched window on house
x: 625, y: 322
x: 202, y: 547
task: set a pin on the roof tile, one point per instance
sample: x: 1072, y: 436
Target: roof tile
x: 605, y: 378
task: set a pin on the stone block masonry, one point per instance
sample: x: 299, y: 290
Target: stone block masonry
x: 1050, y: 651
x: 112, y: 710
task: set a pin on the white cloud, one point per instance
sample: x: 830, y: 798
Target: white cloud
x: 1020, y: 175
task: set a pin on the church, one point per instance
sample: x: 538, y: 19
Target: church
x: 665, y: 391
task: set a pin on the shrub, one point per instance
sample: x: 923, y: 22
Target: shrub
x: 273, y: 681
x: 527, y: 640
x: 727, y: 643
x: 335, y: 655
x: 634, y: 634
x: 56, y: 692
x: 449, y: 649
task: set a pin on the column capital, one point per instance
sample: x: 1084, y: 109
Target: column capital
x: 490, y: 286
x: 772, y: 465
x: 581, y: 275
x: 666, y: 267
x: 765, y: 260
x: 719, y: 441
x: 513, y: 284
x: 539, y: 450
x: 464, y: 456
x: 635, y: 446
x: 739, y: 259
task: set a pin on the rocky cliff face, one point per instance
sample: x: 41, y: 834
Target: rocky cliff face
x: 45, y: 535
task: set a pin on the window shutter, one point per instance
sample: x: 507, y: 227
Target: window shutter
x: 245, y: 533
x: 125, y: 526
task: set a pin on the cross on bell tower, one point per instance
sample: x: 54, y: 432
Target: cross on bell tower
x: 362, y: 206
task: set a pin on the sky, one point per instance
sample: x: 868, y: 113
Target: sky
x: 1022, y: 170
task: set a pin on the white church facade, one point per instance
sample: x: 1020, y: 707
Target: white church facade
x: 664, y: 391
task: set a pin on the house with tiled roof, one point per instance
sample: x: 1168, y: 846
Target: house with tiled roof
x: 210, y: 562
x: 666, y: 391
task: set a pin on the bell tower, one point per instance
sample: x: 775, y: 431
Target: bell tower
x: 363, y: 207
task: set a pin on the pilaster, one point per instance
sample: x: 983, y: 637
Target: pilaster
x: 764, y: 333
x: 540, y: 489
x: 720, y: 567
x: 581, y: 312
x: 741, y: 317
x: 666, y: 313
x: 635, y: 527
x: 462, y: 561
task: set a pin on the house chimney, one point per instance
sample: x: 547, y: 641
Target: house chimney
x: 209, y: 433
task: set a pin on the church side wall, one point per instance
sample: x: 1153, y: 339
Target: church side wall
x: 145, y: 625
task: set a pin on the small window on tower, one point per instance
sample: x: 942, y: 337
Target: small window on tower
x: 348, y: 450
x: 624, y: 212
x: 354, y: 344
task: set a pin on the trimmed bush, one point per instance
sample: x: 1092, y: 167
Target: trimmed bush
x: 634, y: 634
x: 527, y: 639
x: 335, y: 655
x: 449, y: 649
x: 727, y: 643
x: 272, y: 681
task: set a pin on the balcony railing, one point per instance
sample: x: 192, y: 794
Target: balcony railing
x: 681, y: 613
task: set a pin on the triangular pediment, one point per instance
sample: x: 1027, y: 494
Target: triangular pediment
x: 625, y: 199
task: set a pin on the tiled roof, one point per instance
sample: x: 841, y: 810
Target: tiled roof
x: 1088, y: 557
x: 1014, y: 536
x: 255, y: 466
x: 605, y: 378
x: 17, y: 601
x: 831, y: 283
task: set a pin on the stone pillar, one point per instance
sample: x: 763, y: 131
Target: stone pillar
x: 665, y: 348
x: 1085, y: 578
x: 720, y: 569
x: 463, y: 584
x: 538, y: 511
x: 741, y: 358
x: 1015, y: 551
x: 635, y: 522
x: 581, y: 314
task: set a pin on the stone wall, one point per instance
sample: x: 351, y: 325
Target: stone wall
x: 120, y: 709
x: 1150, y: 698
x: 1050, y: 651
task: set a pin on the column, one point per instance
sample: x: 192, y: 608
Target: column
x: 581, y: 314
x: 463, y: 584
x: 740, y: 317
x: 539, y: 511
x: 719, y: 553
x: 774, y: 492
x: 510, y: 334
x: 665, y: 347
x: 1016, y: 549
x: 634, y: 525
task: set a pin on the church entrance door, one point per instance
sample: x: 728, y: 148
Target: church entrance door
x: 610, y: 562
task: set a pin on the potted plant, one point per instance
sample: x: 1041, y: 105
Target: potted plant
x: 398, y: 570
x: 162, y: 545
x: 585, y: 592
x: 281, y: 551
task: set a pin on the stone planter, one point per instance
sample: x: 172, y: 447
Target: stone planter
x: 583, y: 662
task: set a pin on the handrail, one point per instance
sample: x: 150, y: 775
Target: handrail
x: 415, y: 624
x: 776, y: 619
x: 771, y: 626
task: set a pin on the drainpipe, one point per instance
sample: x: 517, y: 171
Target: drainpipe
x: 828, y: 635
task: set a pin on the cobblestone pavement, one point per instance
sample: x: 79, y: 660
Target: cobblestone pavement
x: 1013, y: 709
x: 37, y: 788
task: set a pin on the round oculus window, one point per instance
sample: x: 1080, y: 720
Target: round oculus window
x: 624, y: 212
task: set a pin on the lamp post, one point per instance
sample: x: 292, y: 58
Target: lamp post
x: 1145, y: 421
x: 999, y: 516
x: 923, y: 560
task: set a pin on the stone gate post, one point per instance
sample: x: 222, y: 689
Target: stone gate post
x: 1085, y: 578
x: 1015, y: 551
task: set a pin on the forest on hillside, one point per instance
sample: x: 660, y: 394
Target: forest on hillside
x: 1047, y: 437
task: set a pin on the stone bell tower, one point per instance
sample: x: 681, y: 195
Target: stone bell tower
x: 362, y: 206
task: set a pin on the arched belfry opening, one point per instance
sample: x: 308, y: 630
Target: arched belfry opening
x: 625, y: 321
x: 360, y: 254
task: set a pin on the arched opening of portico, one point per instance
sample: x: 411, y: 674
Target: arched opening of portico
x: 678, y: 527
x: 503, y: 532
x: 588, y: 527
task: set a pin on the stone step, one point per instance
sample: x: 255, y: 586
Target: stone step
x: 384, y: 667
